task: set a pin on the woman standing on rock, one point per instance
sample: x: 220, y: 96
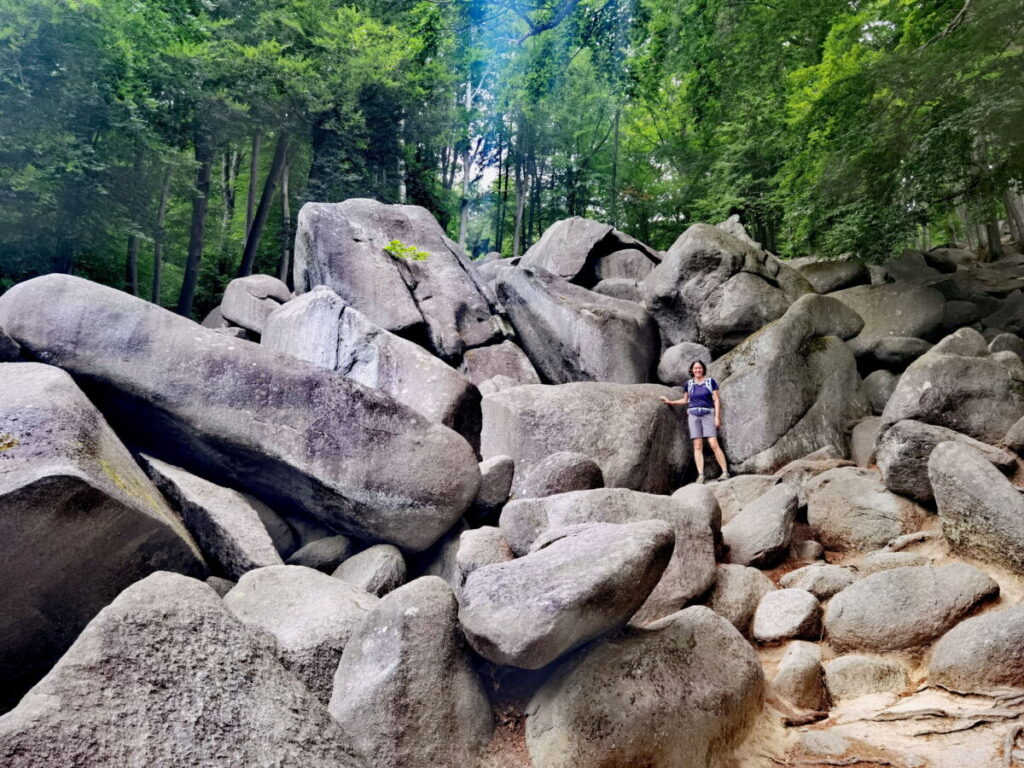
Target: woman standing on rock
x: 702, y: 399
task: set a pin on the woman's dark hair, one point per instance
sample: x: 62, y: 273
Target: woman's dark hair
x: 696, y: 363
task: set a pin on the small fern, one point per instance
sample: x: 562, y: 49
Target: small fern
x: 399, y: 250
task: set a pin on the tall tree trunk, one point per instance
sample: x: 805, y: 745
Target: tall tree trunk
x: 263, y: 210
x: 1015, y: 215
x: 520, y: 201
x: 995, y: 242
x: 284, y: 265
x: 614, y: 202
x: 200, y: 206
x: 254, y: 168
x: 968, y: 228
x: 158, y: 234
x: 499, y: 212
x: 131, y: 266
x: 402, y: 191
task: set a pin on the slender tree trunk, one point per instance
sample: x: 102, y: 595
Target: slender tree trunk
x: 200, y: 206
x: 263, y: 210
x: 158, y: 234
x: 254, y: 167
x: 1015, y: 215
x: 402, y: 191
x: 995, y: 242
x: 520, y: 201
x: 614, y: 202
x: 284, y: 265
x: 131, y: 266
x: 499, y: 212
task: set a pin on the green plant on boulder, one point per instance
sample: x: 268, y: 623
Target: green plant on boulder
x: 399, y: 250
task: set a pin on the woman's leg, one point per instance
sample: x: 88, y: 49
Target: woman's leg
x: 717, y: 450
x: 698, y: 454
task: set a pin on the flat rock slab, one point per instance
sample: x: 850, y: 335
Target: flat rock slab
x: 981, y: 655
x: 760, y: 535
x: 225, y: 525
x: 311, y: 615
x: 166, y: 676
x: 905, y: 607
x: 736, y: 594
x: 611, y: 706
x: 787, y: 614
x: 853, y: 675
x: 297, y: 436
x: 582, y: 582
x: 79, y: 521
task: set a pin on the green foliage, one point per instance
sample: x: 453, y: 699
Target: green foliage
x: 399, y: 250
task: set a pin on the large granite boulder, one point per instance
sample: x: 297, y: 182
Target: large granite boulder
x: 79, y: 521
x: 891, y: 310
x: 982, y: 513
x: 800, y: 677
x: 297, y: 436
x: 694, y: 518
x: 572, y: 334
x: 680, y: 693
x: 981, y: 655
x: 761, y: 533
x: 249, y: 301
x: 636, y: 440
x: 791, y: 389
x: 834, y: 274
x: 736, y: 593
x: 822, y: 580
x: 786, y: 614
x: 504, y: 359
x: 356, y: 248
x: 311, y: 616
x: 576, y: 584
x: 320, y: 328
x: 856, y: 674
x: 405, y: 693
x: 166, y: 676
x: 905, y: 607
x: 715, y: 289
x: 674, y: 366
x: 378, y: 569
x: 560, y: 472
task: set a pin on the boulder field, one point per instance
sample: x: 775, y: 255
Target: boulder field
x: 430, y: 511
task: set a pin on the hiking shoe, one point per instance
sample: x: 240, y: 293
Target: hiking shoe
x: 700, y: 479
x: 725, y: 475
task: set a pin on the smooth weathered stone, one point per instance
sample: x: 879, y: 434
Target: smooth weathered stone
x: 787, y: 614
x: 760, y: 534
x: 849, y: 508
x: 892, y: 310
x: 505, y: 359
x: 883, y: 560
x: 626, y: 264
x: 495, y: 483
x: 848, y: 677
x: 984, y: 654
x: 442, y: 559
x: 694, y: 518
x: 297, y: 436
x: 405, y: 693
x: 79, y: 521
x: 582, y: 582
x: 910, y: 266
x: 320, y: 328
x: 736, y: 593
x: 10, y: 350
x: 323, y: 554
x: 219, y: 585
x: 619, y: 288
x: 820, y: 579
x: 735, y: 227
x: 249, y: 301
x: 878, y: 388
x: 715, y: 289
x: 947, y: 259
x: 799, y: 678
x: 310, y: 615
x: 965, y: 341
x: 1014, y: 439
x: 606, y: 708
x: 832, y: 275
x: 904, y: 449
x: 636, y: 440
x: 283, y: 536
x: 1007, y: 342
x: 378, y: 569
x: 824, y: 743
x: 982, y: 513
x: 798, y: 354
x: 958, y: 314
x: 905, y: 607
x: 223, y: 523
x: 863, y: 438
x: 496, y: 384
x: 806, y: 549
x: 1010, y: 315
x: 560, y: 472
x: 736, y: 492
x: 572, y: 334
x: 899, y: 351
x: 674, y: 366
x: 800, y: 473
x: 479, y: 547
x: 166, y: 676
x: 576, y: 249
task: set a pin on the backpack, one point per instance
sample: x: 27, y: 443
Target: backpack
x: 690, y: 384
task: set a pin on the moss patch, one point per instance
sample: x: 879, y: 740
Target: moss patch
x: 7, y: 441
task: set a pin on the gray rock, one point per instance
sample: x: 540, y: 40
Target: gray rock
x: 862, y: 442
x: 405, y: 693
x: 1012, y: 362
x: 674, y: 366
x: 585, y: 251
x: 760, y: 534
x: 249, y: 301
x: 1014, y: 439
x: 875, y: 562
x: 694, y: 518
x: 283, y: 536
x: 1010, y: 315
x: 619, y: 288
x: 904, y: 449
x: 505, y: 359
x: 807, y: 550
x: 982, y: 513
x: 495, y: 483
x: 965, y: 341
x: 310, y: 615
x: 820, y: 579
x: 834, y: 274
x: 219, y: 585
x: 636, y: 440
x: 583, y: 582
x: 378, y: 570
x: 223, y: 523
x: 736, y: 492
x: 891, y: 310
x: 787, y: 614
x: 572, y: 334
x: 735, y: 227
x: 909, y: 267
x: 959, y: 314
x: 848, y: 677
x: 715, y: 289
x: 878, y: 387
x: 166, y: 676
x: 899, y: 351
x: 800, y: 473
x: 627, y: 264
x: 442, y: 559
x: 905, y: 607
x: 496, y: 384
x: 799, y: 678
x: 824, y: 743
x: 479, y: 547
x: 736, y: 593
x: 79, y: 521
x: 849, y: 508
x: 323, y: 554
x: 1007, y: 342
x: 800, y: 355
x: 296, y: 436
x: 977, y: 396
x: 981, y: 655
x: 948, y: 259
x: 10, y: 350
x: 560, y: 472
x: 579, y: 718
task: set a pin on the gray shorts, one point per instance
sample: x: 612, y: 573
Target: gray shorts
x: 702, y: 423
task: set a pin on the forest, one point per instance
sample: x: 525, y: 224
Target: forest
x: 165, y: 148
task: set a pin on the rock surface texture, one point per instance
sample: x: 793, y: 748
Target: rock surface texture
x: 981, y: 655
